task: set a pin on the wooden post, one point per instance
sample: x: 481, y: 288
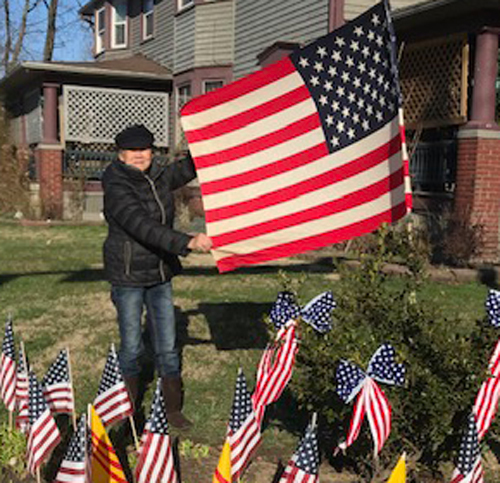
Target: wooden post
x: 134, y: 432
x: 73, y: 414
x: 38, y: 478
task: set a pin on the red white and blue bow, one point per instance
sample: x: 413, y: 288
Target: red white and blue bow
x: 492, y: 306
x: 352, y: 382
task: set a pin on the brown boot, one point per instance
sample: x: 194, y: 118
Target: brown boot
x: 172, y: 395
x: 132, y: 384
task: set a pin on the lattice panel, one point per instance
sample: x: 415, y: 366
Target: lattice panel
x: 33, y: 113
x: 96, y: 115
x: 434, y: 82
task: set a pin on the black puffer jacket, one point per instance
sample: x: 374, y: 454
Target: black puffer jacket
x: 142, y: 248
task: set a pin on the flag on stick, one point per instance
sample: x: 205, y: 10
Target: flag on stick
x: 57, y: 386
x: 304, y: 465
x: 307, y: 152
x: 22, y: 388
x: 104, y: 463
x: 43, y: 435
x: 469, y: 468
x: 8, y: 368
x: 112, y: 402
x: 156, y: 460
x: 398, y: 474
x: 74, y: 465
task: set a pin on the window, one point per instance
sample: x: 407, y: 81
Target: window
x: 119, y: 34
x: 100, y: 29
x: 148, y: 19
x: 183, y: 95
x: 184, y: 3
x: 211, y: 85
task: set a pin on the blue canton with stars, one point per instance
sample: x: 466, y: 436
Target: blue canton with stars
x: 37, y: 403
x: 76, y: 448
x: 469, y: 448
x: 383, y: 366
x: 349, y: 380
x: 284, y: 309
x: 58, y: 371
x: 8, y: 341
x: 307, y: 454
x: 242, y: 404
x: 111, y: 374
x: 492, y: 305
x: 352, y: 77
x: 318, y: 311
x: 157, y: 422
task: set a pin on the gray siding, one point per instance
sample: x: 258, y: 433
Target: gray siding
x: 260, y: 23
x: 353, y: 8
x: 214, y: 34
x: 184, y: 41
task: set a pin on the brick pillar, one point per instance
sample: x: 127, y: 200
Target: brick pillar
x: 477, y: 194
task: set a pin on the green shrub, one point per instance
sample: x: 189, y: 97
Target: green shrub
x: 445, y: 357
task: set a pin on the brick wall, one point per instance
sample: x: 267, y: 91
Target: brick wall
x: 477, y: 195
x: 49, y: 167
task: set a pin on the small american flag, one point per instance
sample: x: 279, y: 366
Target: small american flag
x: 304, y: 464
x: 243, y: 432
x: 57, y: 387
x: 43, y: 435
x: 469, y: 468
x: 371, y: 400
x: 275, y: 369
x: 22, y: 387
x: 307, y: 152
x: 156, y: 460
x: 8, y: 368
x: 112, y: 402
x: 486, y: 403
x: 492, y: 306
x: 73, y: 468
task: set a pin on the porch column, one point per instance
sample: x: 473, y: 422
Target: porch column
x: 49, y: 157
x: 477, y: 195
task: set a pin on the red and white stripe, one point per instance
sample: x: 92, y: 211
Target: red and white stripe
x: 8, y: 382
x: 486, y: 404
x: 59, y: 397
x: 113, y: 404
x: 292, y: 474
x: 156, y: 460
x: 270, y: 186
x: 494, y: 364
x: 43, y: 437
x: 72, y: 472
x: 373, y: 403
x: 22, y: 402
x: 243, y: 443
x: 275, y: 369
x: 475, y: 476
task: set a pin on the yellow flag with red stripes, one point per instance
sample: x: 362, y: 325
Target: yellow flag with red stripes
x: 398, y: 474
x: 104, y: 463
x: 223, y: 471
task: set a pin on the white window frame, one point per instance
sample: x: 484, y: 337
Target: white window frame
x: 207, y: 81
x: 99, y: 41
x: 145, y: 15
x: 182, y: 86
x: 182, y: 4
x: 114, y: 45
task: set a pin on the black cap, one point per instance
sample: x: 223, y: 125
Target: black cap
x: 135, y: 137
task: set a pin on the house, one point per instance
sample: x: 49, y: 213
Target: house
x: 153, y: 56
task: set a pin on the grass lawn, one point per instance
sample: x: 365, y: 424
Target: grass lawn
x: 51, y: 281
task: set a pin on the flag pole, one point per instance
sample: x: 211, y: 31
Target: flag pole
x: 38, y: 478
x: 11, y: 415
x: 134, y: 432
x: 73, y: 413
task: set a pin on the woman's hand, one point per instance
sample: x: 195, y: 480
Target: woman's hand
x: 200, y: 243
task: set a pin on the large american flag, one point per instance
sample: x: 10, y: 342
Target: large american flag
x: 22, y: 386
x: 469, y: 468
x: 57, y: 387
x: 304, y: 464
x: 43, y: 435
x: 8, y: 368
x: 112, y: 402
x: 243, y: 432
x: 486, y: 403
x: 73, y: 467
x: 156, y: 460
x: 307, y: 152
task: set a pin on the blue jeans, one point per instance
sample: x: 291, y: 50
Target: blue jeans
x: 129, y: 303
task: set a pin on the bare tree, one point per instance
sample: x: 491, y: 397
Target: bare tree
x: 50, y: 36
